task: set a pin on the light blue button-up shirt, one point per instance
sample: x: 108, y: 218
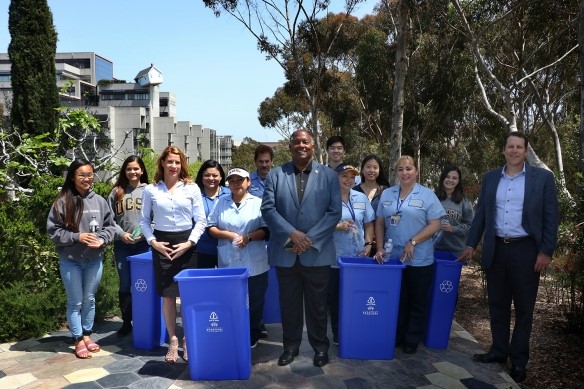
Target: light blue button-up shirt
x: 243, y: 220
x: 509, y: 205
x: 257, y: 184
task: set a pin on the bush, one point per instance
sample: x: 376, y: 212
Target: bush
x: 27, y: 314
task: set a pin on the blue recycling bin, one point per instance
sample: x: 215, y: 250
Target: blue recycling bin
x: 148, y: 330
x: 369, y: 303
x: 215, y: 313
x: 271, y: 313
x: 443, y: 296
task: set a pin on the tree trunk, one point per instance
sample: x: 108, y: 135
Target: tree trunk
x: 581, y: 49
x: 401, y: 68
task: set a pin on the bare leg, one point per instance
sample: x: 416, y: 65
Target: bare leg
x: 169, y: 312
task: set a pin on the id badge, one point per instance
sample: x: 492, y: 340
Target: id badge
x: 394, y: 220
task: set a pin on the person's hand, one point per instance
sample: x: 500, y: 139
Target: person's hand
x: 408, y: 253
x: 379, y: 255
x: 446, y: 227
x: 179, y: 249
x: 301, y: 241
x: 89, y: 239
x: 163, y: 248
x: 466, y: 254
x: 365, y: 252
x: 97, y: 243
x: 542, y: 262
x: 345, y: 225
x: 239, y: 240
x: 127, y: 238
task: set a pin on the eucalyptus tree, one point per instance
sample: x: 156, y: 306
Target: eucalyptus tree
x: 276, y: 25
x: 525, y: 56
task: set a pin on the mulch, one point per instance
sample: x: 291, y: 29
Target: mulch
x: 556, y: 355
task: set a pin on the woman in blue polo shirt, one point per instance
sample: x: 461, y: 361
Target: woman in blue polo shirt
x: 211, y: 181
x: 409, y: 214
x: 236, y: 221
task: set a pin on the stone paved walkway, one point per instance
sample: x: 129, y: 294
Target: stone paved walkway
x: 49, y: 362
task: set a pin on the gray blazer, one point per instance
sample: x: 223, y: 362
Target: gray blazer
x: 317, y: 215
x: 540, y: 212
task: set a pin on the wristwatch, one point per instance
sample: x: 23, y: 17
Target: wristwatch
x: 248, y: 238
x: 413, y: 242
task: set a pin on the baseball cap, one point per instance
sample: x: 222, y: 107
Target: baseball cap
x: 343, y: 167
x: 237, y: 172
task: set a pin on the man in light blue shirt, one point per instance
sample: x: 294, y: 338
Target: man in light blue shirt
x: 518, y: 214
x: 263, y: 157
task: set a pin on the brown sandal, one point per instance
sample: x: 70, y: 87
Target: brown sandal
x: 172, y: 353
x: 81, y: 351
x: 185, y: 354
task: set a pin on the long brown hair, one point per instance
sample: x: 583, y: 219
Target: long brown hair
x: 70, y: 199
x: 122, y: 182
x: 184, y: 166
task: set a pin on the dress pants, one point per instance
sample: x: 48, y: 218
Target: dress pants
x: 304, y: 286
x: 511, y: 278
x: 413, y: 303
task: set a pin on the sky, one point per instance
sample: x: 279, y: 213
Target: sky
x: 211, y: 64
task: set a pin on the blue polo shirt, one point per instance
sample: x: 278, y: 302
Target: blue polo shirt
x: 419, y: 207
x: 207, y: 244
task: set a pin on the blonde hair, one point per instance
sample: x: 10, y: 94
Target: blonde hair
x: 406, y: 158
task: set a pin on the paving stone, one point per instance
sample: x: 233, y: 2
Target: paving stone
x: 16, y: 381
x: 444, y: 381
x: 124, y: 365
x: 473, y: 383
x: 452, y: 370
x: 84, y: 385
x: 152, y: 383
x: 86, y: 375
x: 118, y: 380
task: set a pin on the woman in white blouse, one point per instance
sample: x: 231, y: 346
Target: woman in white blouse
x: 174, y: 206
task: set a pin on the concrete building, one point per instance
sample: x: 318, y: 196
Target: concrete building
x: 136, y: 114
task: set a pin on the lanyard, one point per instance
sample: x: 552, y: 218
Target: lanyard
x: 399, y: 203
x: 350, y: 208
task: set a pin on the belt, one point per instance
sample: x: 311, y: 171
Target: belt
x: 512, y: 240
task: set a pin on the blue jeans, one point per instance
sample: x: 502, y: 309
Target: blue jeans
x: 81, y: 279
x: 121, y: 252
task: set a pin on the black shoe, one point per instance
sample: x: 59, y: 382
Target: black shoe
x: 518, y: 373
x: 410, y: 348
x: 263, y: 332
x: 287, y: 357
x: 125, y: 330
x: 489, y: 358
x: 320, y: 359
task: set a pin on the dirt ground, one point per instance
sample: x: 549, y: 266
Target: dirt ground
x: 556, y: 356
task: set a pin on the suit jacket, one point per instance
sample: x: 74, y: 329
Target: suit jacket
x: 317, y: 215
x: 540, y: 212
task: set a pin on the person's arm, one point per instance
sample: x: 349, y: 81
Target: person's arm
x: 146, y: 216
x: 550, y: 225
x: 379, y: 237
x: 467, y: 215
x: 426, y: 233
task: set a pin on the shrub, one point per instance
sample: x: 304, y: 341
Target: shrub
x: 28, y: 314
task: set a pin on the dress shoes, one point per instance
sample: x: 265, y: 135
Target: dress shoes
x: 489, y: 358
x: 287, y: 357
x: 320, y: 359
x: 518, y: 373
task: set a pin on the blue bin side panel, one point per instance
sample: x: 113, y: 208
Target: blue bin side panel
x: 149, y: 329
x: 215, y: 311
x: 443, y: 296
x: 369, y: 302
x: 271, y: 313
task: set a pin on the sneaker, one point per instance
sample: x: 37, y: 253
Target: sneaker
x: 336, y: 340
x: 254, y: 345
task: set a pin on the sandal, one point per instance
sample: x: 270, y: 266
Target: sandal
x: 92, y: 346
x: 185, y: 354
x: 172, y: 353
x: 81, y: 351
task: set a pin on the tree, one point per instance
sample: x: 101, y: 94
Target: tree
x: 581, y: 54
x: 278, y: 27
x: 32, y: 56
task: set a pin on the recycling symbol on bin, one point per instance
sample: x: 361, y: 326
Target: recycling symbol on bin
x: 446, y: 286
x: 370, y: 303
x: 141, y: 285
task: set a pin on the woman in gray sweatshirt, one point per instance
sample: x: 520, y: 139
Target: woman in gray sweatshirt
x: 80, y: 224
x: 459, y: 213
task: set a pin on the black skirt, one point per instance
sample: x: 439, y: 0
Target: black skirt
x: 164, y: 269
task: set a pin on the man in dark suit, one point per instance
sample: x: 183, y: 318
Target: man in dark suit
x: 302, y: 206
x: 518, y: 213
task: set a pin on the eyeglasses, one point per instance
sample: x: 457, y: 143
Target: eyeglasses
x: 85, y: 176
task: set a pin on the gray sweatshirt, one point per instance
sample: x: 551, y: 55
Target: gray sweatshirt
x: 460, y: 218
x: 67, y: 241
x: 127, y: 211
